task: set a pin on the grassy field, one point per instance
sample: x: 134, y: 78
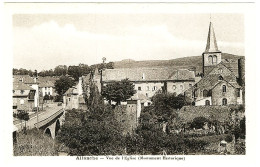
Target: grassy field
x: 34, y: 143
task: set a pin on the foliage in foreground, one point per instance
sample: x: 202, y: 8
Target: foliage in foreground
x: 34, y: 143
x: 88, y: 135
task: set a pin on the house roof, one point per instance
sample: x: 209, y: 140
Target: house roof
x: 81, y: 100
x: 212, y: 78
x: 46, y: 81
x: 21, y: 86
x: 147, y: 74
x: 24, y: 78
x: 69, y: 91
x: 46, y: 84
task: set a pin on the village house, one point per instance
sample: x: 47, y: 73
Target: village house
x: 149, y: 81
x: 73, y: 98
x: 29, y: 81
x: 23, y: 97
x: 46, y: 87
x: 221, y: 81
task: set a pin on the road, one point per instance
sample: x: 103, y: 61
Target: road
x: 50, y: 110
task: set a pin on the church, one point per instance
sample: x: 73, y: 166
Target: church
x: 222, y: 81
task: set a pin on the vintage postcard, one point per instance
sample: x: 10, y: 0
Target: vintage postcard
x: 131, y: 81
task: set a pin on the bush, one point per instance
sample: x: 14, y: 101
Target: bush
x: 229, y: 138
x: 198, y: 122
x: 46, y: 97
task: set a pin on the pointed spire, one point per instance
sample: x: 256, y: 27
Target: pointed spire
x: 211, y: 42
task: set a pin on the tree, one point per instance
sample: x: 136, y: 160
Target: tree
x: 104, y: 60
x: 78, y: 71
x: 60, y: 70
x: 22, y: 115
x: 118, y: 91
x: 110, y: 65
x: 63, y: 84
x: 95, y: 132
x: 165, y: 105
x: 74, y: 71
x: 198, y: 122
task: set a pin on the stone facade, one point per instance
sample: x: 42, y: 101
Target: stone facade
x: 179, y: 87
x: 219, y: 84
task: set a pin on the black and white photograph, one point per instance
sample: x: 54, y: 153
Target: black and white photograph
x: 132, y: 81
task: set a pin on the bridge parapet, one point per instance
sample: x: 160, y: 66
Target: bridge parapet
x: 49, y: 119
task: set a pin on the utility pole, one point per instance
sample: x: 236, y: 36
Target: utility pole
x: 37, y: 111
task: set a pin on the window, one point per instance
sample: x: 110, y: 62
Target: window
x: 224, y: 88
x: 173, y: 87
x: 22, y: 101
x: 224, y: 101
x: 207, y: 103
x: 49, y: 93
x: 31, y: 95
x: 22, y: 91
x: 69, y: 99
x: 205, y: 93
x: 154, y: 88
x: 190, y: 85
x: 147, y: 88
x: 238, y: 92
x: 45, y: 93
x: 181, y: 87
x: 146, y: 94
x: 45, y: 88
x: 210, y: 59
x: 139, y: 88
x: 214, y: 59
x: 220, y: 78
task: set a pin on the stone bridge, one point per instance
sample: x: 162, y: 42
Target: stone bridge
x: 51, y: 125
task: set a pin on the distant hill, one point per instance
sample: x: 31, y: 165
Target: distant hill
x: 185, y: 62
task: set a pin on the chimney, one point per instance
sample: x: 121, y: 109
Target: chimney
x: 143, y: 77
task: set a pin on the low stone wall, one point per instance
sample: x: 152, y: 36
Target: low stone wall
x: 220, y: 113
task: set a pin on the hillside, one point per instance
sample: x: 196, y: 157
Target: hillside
x: 185, y: 62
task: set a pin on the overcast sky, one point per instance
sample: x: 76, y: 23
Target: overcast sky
x: 44, y: 41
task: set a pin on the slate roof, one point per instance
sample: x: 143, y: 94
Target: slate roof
x: 21, y: 86
x: 25, y: 78
x: 211, y: 41
x: 211, y: 80
x: 147, y: 74
x: 69, y: 91
x: 47, y: 81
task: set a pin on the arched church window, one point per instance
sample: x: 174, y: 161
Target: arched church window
x: 207, y: 103
x: 210, y: 59
x: 224, y: 88
x: 214, y: 59
x: 224, y: 101
x: 205, y: 93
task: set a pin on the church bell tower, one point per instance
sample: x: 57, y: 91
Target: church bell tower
x: 211, y: 56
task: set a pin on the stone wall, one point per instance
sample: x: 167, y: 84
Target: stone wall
x: 218, y: 94
x: 220, y: 113
x: 179, y: 87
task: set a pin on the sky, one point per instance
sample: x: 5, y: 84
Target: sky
x: 43, y: 41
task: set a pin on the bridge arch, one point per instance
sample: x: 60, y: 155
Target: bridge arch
x: 57, y: 126
x: 48, y: 132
